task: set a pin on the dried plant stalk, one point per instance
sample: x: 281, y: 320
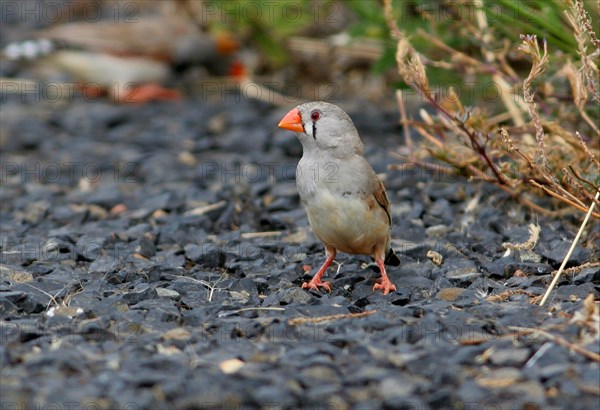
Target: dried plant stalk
x: 582, y: 28
x: 304, y: 320
x: 540, y: 63
x: 534, y: 235
x: 558, y: 162
x: 568, y: 255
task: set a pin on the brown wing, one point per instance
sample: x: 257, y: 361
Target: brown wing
x: 381, y: 198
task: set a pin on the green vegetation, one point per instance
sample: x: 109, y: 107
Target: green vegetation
x: 515, y: 84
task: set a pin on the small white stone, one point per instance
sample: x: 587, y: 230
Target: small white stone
x: 13, y: 51
x: 30, y: 49
x: 45, y: 46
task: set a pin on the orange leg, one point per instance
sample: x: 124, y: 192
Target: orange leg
x: 139, y: 94
x: 384, y: 283
x: 315, y: 283
x: 91, y: 91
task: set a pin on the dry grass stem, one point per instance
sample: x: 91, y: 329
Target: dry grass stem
x: 559, y: 340
x: 252, y: 309
x: 579, y: 20
x: 508, y: 98
x: 587, y: 151
x: 210, y: 287
x: 571, y: 249
x: 579, y: 268
x: 586, y: 21
x: 561, y: 160
x: 534, y: 235
x: 540, y: 61
x: 267, y: 234
x: 525, y: 331
x: 404, y: 120
x: 329, y: 318
x: 567, y: 201
x: 503, y: 296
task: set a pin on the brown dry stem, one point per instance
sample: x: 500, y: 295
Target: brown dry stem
x: 328, y: 318
x: 561, y: 161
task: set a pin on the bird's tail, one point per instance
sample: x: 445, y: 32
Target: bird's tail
x: 391, y: 258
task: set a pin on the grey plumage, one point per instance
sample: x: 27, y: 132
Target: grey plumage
x: 345, y: 201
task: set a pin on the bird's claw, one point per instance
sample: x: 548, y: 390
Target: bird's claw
x: 316, y: 284
x: 386, y: 286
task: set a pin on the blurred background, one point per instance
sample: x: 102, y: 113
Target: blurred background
x: 303, y: 49
x: 487, y: 88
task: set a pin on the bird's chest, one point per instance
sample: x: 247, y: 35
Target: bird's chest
x: 317, y: 175
x: 346, y: 222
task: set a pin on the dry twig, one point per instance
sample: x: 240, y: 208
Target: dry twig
x: 559, y: 340
x: 579, y: 268
x: 501, y: 297
x: 329, y: 318
x: 571, y: 249
x: 534, y: 235
x: 558, y: 162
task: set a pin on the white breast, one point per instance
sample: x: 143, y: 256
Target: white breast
x: 107, y: 70
x: 346, y: 222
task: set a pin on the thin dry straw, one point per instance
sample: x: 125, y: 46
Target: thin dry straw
x: 571, y: 249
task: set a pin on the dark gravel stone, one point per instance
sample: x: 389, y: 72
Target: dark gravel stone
x: 89, y: 248
x: 529, y: 268
x: 500, y: 267
x: 13, y: 297
x: 568, y: 292
x: 7, y: 308
x: 556, y: 250
x: 139, y: 294
x: 462, y: 273
x: 174, y: 280
x: 206, y: 255
x: 587, y: 275
x: 510, y: 357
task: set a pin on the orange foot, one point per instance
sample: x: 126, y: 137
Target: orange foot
x: 385, y: 285
x: 147, y: 92
x: 91, y: 91
x: 316, y: 284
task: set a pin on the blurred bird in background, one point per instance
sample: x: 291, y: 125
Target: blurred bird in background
x: 131, y: 57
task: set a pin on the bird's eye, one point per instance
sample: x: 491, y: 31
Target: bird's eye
x: 315, y: 115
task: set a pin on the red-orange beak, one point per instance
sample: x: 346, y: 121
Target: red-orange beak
x: 292, y: 121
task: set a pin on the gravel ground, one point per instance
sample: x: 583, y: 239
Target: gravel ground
x: 152, y: 257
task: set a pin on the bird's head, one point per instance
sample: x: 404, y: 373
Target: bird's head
x: 323, y: 126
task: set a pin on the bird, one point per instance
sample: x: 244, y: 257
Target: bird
x: 125, y: 59
x: 345, y: 201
